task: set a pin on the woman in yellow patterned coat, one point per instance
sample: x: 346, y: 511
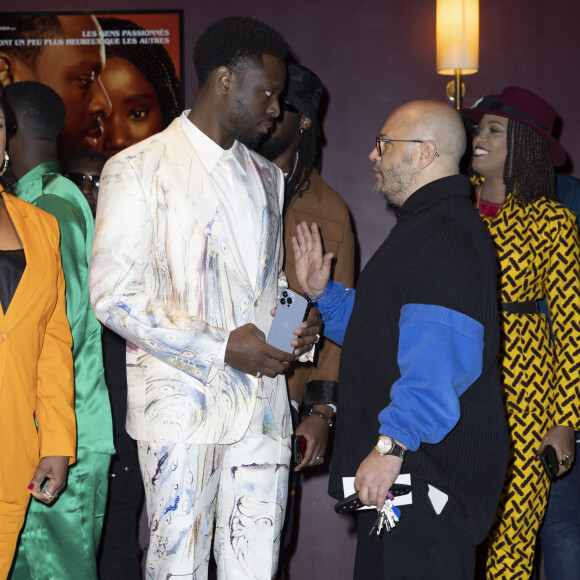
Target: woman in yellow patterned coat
x: 538, y: 256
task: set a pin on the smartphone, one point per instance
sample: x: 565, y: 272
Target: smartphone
x: 298, y: 448
x: 549, y: 460
x: 291, y: 311
x: 352, y: 502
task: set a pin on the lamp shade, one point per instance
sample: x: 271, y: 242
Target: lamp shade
x: 457, y: 36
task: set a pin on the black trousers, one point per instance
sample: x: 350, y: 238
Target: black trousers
x: 422, y: 546
x: 120, y: 554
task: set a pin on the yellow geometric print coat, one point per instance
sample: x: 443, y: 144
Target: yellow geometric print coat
x: 538, y: 255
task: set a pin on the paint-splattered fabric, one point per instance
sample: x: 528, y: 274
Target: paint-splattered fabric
x: 167, y: 275
x: 243, y: 487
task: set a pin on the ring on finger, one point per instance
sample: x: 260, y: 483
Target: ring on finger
x: 566, y: 461
x: 47, y: 495
x: 319, y: 460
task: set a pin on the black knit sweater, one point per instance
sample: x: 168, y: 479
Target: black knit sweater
x: 438, y: 253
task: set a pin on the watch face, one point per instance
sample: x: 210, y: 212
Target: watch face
x: 385, y: 444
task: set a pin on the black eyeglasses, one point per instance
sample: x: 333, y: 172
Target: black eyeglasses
x: 383, y: 140
x: 79, y: 179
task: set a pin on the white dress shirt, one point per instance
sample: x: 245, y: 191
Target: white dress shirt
x: 237, y: 191
x: 239, y: 195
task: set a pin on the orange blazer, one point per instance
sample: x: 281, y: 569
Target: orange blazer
x: 36, y: 367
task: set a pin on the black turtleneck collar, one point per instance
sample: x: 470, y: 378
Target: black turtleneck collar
x: 434, y: 192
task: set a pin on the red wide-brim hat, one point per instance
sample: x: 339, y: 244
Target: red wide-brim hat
x: 528, y: 108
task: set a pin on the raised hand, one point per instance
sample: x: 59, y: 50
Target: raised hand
x: 312, y: 268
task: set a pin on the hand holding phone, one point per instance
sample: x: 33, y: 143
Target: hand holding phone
x: 298, y: 449
x: 549, y: 460
x: 291, y: 311
x: 352, y: 502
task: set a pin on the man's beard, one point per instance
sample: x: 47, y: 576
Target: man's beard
x: 396, y: 181
x: 241, y: 128
x: 273, y: 146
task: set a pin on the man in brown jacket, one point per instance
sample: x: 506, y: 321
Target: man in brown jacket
x: 292, y: 146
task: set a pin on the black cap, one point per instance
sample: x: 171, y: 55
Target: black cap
x: 304, y: 92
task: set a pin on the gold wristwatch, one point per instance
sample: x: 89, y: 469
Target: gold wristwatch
x: 387, y: 446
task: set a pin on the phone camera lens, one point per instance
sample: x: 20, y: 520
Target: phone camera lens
x: 282, y: 301
x: 289, y: 300
x: 284, y: 293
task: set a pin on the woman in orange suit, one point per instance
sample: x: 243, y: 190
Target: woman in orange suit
x: 36, y: 369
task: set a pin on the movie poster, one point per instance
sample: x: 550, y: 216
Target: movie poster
x: 119, y: 74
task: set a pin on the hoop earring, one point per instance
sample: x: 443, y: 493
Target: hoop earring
x: 5, y: 166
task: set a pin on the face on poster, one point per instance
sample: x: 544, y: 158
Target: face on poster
x: 118, y: 73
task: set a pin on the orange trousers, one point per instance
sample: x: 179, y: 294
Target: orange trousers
x: 11, y: 521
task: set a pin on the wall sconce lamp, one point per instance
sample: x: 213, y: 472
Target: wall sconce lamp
x: 457, y: 43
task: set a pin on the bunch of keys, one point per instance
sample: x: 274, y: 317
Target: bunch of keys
x: 388, y: 516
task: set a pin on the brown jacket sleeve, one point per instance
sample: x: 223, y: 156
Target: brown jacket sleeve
x: 323, y: 205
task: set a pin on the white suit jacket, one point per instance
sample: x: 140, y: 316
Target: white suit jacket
x: 166, y: 275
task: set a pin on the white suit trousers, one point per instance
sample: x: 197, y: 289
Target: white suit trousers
x: 242, y: 488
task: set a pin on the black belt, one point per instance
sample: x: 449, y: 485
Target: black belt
x: 530, y: 307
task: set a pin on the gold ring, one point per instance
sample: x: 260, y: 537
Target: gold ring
x: 565, y: 461
x: 47, y: 495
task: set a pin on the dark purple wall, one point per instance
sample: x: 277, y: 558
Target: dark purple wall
x: 373, y: 55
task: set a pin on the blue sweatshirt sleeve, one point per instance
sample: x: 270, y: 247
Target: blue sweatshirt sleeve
x: 440, y: 356
x: 335, y: 305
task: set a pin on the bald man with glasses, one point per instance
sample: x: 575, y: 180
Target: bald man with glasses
x: 419, y: 385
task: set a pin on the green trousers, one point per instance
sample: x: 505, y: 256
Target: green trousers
x: 60, y: 542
